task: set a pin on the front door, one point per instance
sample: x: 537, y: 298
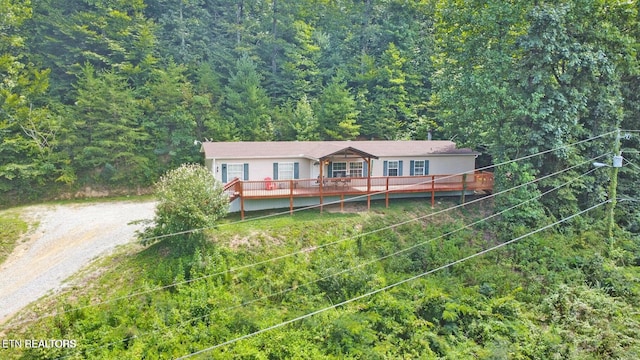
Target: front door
x: 315, y: 170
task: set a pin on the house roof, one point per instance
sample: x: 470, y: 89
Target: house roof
x: 319, y: 149
x: 350, y: 151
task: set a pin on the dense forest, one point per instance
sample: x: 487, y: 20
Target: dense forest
x: 112, y: 93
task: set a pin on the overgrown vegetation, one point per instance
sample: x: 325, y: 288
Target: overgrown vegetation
x: 12, y: 227
x: 189, y: 199
x: 550, y: 295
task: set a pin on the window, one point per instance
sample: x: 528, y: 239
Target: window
x: 393, y: 168
x: 339, y: 169
x: 355, y: 169
x: 235, y: 171
x: 418, y: 168
x: 285, y: 171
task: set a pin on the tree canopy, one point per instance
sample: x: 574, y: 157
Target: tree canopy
x: 113, y: 93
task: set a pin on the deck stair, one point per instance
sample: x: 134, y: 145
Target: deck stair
x: 232, y: 189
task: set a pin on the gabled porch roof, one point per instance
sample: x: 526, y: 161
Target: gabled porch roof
x: 348, y: 151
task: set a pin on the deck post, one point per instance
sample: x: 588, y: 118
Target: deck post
x: 433, y: 191
x: 321, y: 181
x: 290, y: 197
x: 386, y: 193
x: 464, y: 186
x: 368, y: 183
x: 241, y: 200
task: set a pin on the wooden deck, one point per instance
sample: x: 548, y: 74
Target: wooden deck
x: 431, y: 184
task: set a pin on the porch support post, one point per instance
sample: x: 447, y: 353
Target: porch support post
x: 290, y: 197
x: 321, y: 181
x: 241, y: 200
x: 368, y: 160
x: 386, y: 193
x: 464, y: 186
x: 433, y: 191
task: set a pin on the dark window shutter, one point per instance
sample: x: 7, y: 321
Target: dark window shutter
x: 412, y: 165
x: 400, y: 168
x: 385, y: 168
x: 426, y: 167
x: 365, y: 168
x: 246, y: 171
x: 224, y: 173
x: 275, y: 171
x: 296, y: 170
x: 330, y: 171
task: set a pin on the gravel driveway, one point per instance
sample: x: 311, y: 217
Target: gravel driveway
x: 67, y: 239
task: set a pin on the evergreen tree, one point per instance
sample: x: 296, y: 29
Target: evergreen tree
x: 107, y: 138
x: 169, y: 117
x: 387, y: 111
x: 206, y: 103
x: 185, y: 30
x: 304, y: 121
x: 300, y: 74
x: 117, y: 36
x: 336, y: 112
x: 246, y: 103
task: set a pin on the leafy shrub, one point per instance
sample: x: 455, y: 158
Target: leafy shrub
x: 189, y: 199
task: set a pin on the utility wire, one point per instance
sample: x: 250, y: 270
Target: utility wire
x: 390, y: 286
x: 243, y: 267
x: 356, y: 198
x: 301, y: 209
x: 282, y: 292
x: 637, y: 168
x: 632, y: 164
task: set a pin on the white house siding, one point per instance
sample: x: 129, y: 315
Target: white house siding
x: 259, y: 169
x: 438, y: 164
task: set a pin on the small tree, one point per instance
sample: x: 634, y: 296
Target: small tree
x: 189, y: 198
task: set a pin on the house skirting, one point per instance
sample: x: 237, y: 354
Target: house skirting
x: 285, y: 203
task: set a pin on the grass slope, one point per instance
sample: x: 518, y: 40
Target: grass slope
x: 550, y: 295
x: 12, y: 227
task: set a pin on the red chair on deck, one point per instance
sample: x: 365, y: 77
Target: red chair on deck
x: 269, y: 184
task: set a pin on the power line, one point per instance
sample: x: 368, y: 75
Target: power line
x: 627, y: 198
x: 355, y: 267
x: 392, y: 285
x: 632, y: 164
x: 392, y: 226
x: 356, y: 198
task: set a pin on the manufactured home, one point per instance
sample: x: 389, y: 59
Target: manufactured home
x: 289, y: 174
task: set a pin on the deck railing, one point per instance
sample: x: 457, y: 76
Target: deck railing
x: 354, y: 186
x: 361, y: 185
x: 233, y: 189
